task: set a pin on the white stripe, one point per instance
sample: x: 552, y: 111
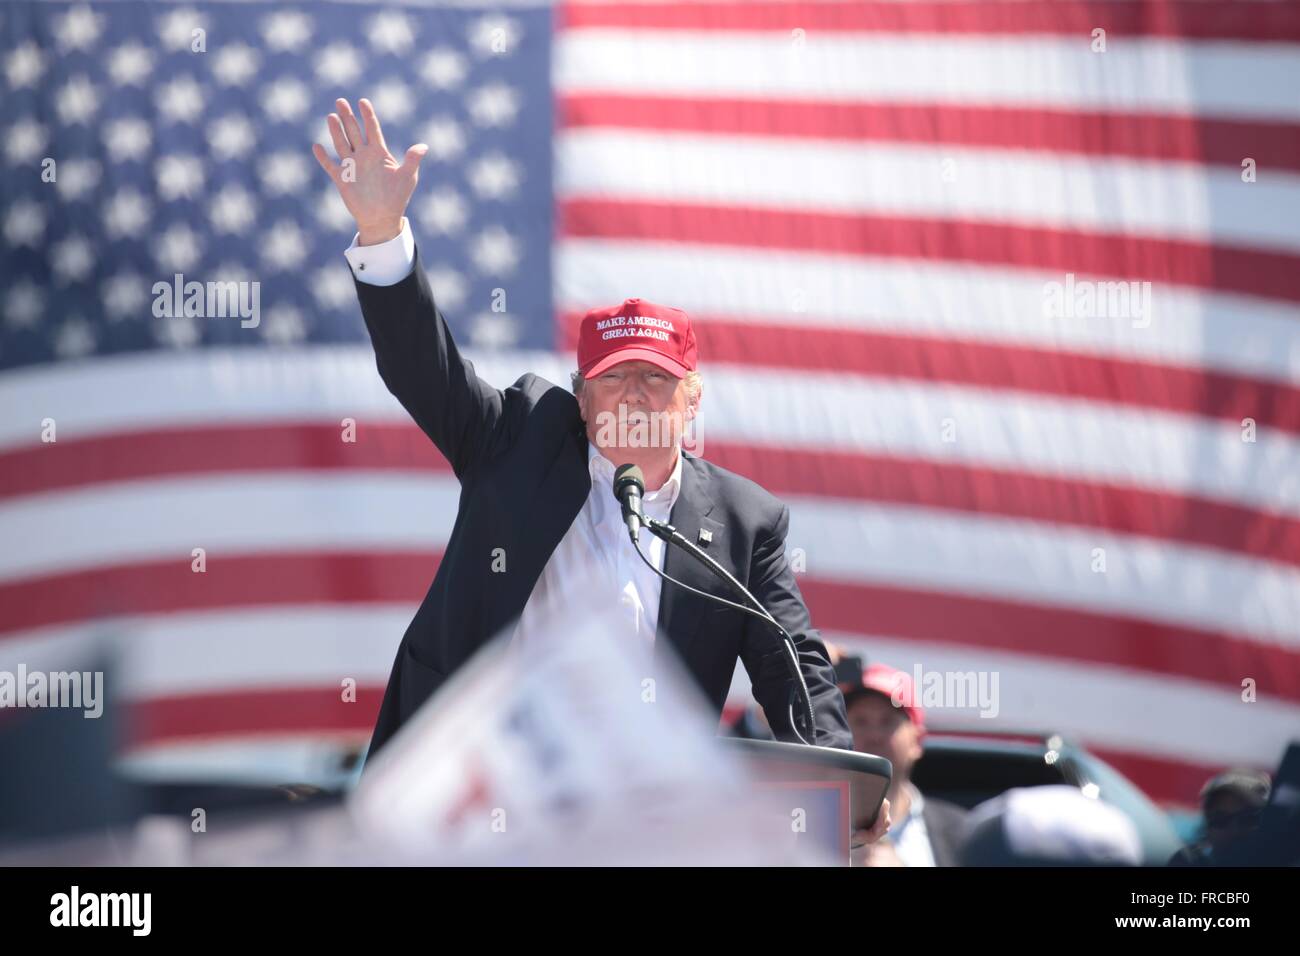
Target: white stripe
x: 165, y: 520
x: 237, y: 650
x: 1071, y: 439
x: 1066, y: 438
x: 954, y: 553
x: 1231, y: 333
x: 1101, y: 706
x: 1142, y: 714
x: 1168, y: 200
x: 1152, y: 714
x: 157, y: 389
x: 195, y: 652
x: 317, y: 758
x: 847, y: 541
x: 1217, y: 78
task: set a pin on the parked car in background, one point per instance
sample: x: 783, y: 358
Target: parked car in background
x: 968, y: 769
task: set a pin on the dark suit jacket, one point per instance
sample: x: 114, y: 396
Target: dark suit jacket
x: 521, y: 458
x: 945, y: 824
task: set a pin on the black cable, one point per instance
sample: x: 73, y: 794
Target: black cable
x: 664, y: 532
x: 669, y: 534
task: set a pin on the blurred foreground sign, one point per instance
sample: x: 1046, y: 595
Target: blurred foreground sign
x: 576, y: 749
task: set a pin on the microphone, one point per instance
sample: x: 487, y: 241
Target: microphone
x: 629, y: 486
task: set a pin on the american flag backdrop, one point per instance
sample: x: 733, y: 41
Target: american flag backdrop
x: 900, y: 227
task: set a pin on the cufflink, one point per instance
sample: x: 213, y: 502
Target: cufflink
x: 705, y: 537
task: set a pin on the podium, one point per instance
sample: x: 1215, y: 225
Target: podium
x: 837, y: 791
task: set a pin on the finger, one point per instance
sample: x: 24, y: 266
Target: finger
x: 350, y: 123
x: 341, y: 144
x: 373, y: 132
x: 411, y: 161
x: 882, y: 823
x: 331, y: 168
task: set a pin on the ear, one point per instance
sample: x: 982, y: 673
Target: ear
x: 693, y: 406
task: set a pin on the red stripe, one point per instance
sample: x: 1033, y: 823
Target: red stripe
x: 784, y: 471
x: 193, y: 450
x: 1155, y: 136
x: 1086, y: 254
x: 1209, y: 20
x: 1059, y: 634
x: 265, y: 711
x: 302, y: 578
x: 231, y: 580
x: 919, y: 483
x: 925, y: 358
x: 1174, y: 783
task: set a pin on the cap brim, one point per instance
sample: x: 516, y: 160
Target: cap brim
x: 634, y: 354
x: 910, y: 711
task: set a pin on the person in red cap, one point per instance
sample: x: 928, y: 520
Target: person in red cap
x: 536, y: 464
x: 887, y: 720
x: 637, y: 385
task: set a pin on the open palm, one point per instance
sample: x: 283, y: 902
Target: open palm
x: 374, y: 185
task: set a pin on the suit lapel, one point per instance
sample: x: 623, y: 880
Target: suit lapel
x: 680, y: 612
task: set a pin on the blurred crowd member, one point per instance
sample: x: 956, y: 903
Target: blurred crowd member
x: 1231, y: 804
x: 1050, y: 826
x: 925, y: 831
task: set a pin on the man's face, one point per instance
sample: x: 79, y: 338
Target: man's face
x: 882, y: 729
x: 637, y: 408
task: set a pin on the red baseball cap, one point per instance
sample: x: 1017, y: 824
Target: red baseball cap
x: 634, y: 330
x: 897, y: 685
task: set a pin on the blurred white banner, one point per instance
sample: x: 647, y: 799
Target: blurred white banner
x: 576, y: 749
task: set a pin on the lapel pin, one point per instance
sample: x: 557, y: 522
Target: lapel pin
x: 705, y: 537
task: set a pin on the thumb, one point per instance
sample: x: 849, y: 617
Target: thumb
x: 411, y: 162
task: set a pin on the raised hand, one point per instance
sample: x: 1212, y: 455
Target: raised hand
x: 374, y: 185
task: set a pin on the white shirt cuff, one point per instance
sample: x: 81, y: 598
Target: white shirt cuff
x: 385, y: 263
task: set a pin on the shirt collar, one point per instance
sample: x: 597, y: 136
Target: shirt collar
x: 602, y: 472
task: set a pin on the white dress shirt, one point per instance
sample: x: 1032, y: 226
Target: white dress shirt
x: 595, y: 554
x: 910, y: 837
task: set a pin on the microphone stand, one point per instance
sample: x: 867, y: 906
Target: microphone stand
x: 670, y: 535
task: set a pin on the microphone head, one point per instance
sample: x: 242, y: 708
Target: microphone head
x: 626, y: 475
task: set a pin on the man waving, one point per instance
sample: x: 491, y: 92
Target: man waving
x: 536, y: 463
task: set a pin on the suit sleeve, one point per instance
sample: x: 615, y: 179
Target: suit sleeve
x: 763, y: 654
x: 421, y: 365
